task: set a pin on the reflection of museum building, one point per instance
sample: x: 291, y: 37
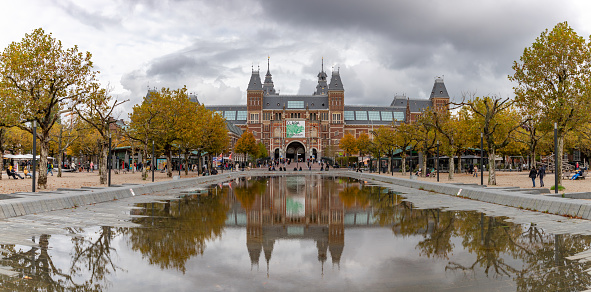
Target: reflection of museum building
x: 298, y: 208
x: 307, y: 124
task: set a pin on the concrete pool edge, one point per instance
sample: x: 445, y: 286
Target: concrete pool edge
x: 33, y: 203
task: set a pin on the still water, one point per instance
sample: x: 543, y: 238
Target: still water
x: 298, y: 233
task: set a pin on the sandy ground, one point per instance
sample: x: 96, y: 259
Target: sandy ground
x: 512, y: 179
x: 80, y: 179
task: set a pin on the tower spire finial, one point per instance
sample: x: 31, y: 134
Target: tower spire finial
x: 268, y: 58
x: 322, y: 63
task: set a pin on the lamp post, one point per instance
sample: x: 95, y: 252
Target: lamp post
x: 34, y: 154
x: 437, y: 167
x: 555, y: 158
x: 153, y: 161
x: 109, y: 161
x: 481, y: 159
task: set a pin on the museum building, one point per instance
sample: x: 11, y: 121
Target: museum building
x: 307, y: 126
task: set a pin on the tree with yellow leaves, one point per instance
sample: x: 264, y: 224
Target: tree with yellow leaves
x: 38, y: 78
x: 349, y: 145
x: 97, y: 112
x: 246, y: 145
x: 554, y: 78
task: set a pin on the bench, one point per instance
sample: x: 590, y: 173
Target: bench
x: 568, y: 176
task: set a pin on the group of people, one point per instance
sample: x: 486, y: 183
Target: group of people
x: 13, y: 174
x: 534, y: 173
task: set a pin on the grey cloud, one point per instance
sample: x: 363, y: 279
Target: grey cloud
x: 96, y: 20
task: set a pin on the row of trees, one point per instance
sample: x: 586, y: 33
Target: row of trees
x: 169, y: 119
x: 553, y: 86
x: 249, y: 148
x: 41, y: 81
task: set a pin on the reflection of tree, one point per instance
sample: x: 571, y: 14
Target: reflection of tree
x: 249, y: 189
x: 94, y: 256
x: 179, y: 230
x: 488, y: 238
x: 438, y: 243
x: 37, y: 272
x: 538, y: 260
x: 547, y: 268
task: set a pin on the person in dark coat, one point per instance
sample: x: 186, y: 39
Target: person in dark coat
x: 541, y: 174
x: 533, y: 173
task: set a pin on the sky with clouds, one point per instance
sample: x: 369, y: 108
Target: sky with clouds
x: 381, y: 47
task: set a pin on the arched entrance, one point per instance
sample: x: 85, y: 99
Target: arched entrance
x: 314, y: 154
x: 295, y: 150
x: 276, y: 154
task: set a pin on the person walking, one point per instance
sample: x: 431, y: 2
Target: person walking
x: 533, y: 173
x: 475, y: 171
x: 541, y: 174
x: 50, y: 168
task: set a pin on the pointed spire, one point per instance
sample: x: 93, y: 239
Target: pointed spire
x: 268, y: 87
x: 322, y: 86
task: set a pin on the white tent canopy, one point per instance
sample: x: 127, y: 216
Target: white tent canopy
x: 22, y: 156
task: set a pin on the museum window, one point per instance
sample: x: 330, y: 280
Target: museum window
x: 295, y: 104
x: 336, y: 118
x: 241, y: 115
x: 254, y: 118
x: 230, y: 115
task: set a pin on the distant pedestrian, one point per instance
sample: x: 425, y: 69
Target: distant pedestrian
x: 475, y: 171
x: 542, y: 173
x: 50, y: 168
x: 533, y: 173
x: 91, y: 166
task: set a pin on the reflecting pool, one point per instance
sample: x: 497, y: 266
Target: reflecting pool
x: 298, y: 233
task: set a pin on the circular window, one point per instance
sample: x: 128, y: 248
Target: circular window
x: 322, y: 104
x: 312, y: 104
x: 267, y: 104
x: 440, y: 92
x: 278, y: 104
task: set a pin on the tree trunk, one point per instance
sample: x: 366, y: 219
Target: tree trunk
x: 424, y: 166
x: 2, y: 131
x: 103, y: 160
x: 1, y: 160
x: 144, y: 162
x: 452, y: 167
x: 59, y: 163
x: 492, y: 176
x: 44, y: 145
x: 403, y: 156
x: 186, y: 163
x: 168, y: 162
